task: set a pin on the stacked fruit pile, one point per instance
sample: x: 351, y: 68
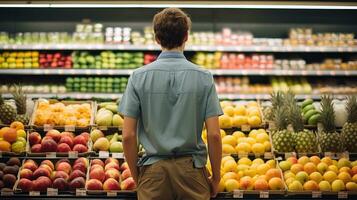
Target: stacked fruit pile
x: 55, y: 141
x: 41, y: 89
x: 96, y: 84
x: 236, y: 85
x: 61, y: 114
x: 8, y: 173
x: 107, y: 60
x: 39, y: 175
x: 13, y: 138
x: 239, y: 114
x: 55, y: 60
x: 19, y: 60
x: 297, y: 85
x: 326, y: 174
x: 247, y: 174
x: 110, y: 142
x: 109, y: 176
x: 107, y: 115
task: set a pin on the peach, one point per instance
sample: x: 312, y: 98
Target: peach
x: 261, y: 184
x: 41, y: 172
x: 276, y: 184
x: 315, y: 159
x: 34, y: 138
x: 292, y: 160
x: 98, y: 162
x: 295, y: 168
x: 80, y: 148
x: 126, y: 174
x: 86, y: 136
x: 46, y: 167
x: 46, y: 138
x: 128, y: 184
x: 54, y: 134
x: 69, y: 134
x: 310, y: 167
x: 246, y: 183
x: 80, y: 139
x: 95, y: 167
x: 48, y: 145
x: 61, y: 161
x: 82, y: 160
x: 97, y: 174
x: 41, y: 184
x: 273, y: 173
x: 64, y: 166
x: 49, y: 163
x: 109, y: 160
x: 111, y: 184
x: 31, y: 165
x: 353, y: 170
x: 111, y: 165
x: 67, y: 140
x: 78, y: 182
x: 63, y: 147
x: 311, y: 186
x: 37, y: 148
x: 112, y: 173
x: 60, y: 183
x: 76, y: 173
x: 60, y: 174
x: 124, y: 166
x: 94, y: 184
x: 26, y: 173
x: 25, y: 185
x: 80, y: 166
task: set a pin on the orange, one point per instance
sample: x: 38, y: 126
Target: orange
x: 10, y: 135
x: 3, y: 130
x: 5, y: 146
x: 17, y: 125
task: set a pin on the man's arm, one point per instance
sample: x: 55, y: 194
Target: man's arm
x: 130, y: 146
x: 214, y: 151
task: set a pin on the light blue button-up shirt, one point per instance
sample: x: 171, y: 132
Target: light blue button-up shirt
x: 171, y: 98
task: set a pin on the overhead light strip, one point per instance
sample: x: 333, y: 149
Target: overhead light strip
x: 237, y: 6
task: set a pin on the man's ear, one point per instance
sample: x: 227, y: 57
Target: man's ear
x: 157, y: 40
x: 186, y: 37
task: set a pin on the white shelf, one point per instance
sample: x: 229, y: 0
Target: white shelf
x: 225, y: 72
x: 75, y: 95
x: 207, y: 48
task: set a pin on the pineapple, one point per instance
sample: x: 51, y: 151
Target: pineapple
x: 7, y: 112
x: 330, y: 140
x: 349, y: 129
x: 20, y: 101
x: 305, y: 140
x: 282, y: 138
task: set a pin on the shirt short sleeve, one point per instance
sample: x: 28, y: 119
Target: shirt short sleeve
x: 213, y: 107
x: 130, y: 102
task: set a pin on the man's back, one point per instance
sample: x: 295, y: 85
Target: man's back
x: 173, y: 95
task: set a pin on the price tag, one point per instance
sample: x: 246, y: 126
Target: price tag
x: 69, y: 128
x: 118, y: 155
x: 103, y: 154
x: 245, y: 128
x: 50, y: 154
x: 52, y: 192
x: 329, y: 154
x: 279, y: 158
x: 268, y: 155
x: 7, y: 193
x: 316, y: 194
x: 343, y: 155
x: 112, y: 194
x: 73, y: 154
x: 34, y: 193
x: 264, y: 194
x: 103, y: 128
x: 47, y: 127
x: 241, y: 155
x: 81, y: 192
x: 342, y: 195
x: 272, y: 126
x: 237, y: 194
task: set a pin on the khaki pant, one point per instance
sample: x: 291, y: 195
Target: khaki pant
x: 174, y: 178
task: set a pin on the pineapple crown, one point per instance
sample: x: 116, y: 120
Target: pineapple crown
x: 20, y: 99
x: 279, y: 110
x: 327, y: 118
x: 294, y: 112
x: 277, y: 99
x: 351, y: 108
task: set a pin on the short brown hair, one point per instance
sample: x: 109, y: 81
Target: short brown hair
x: 171, y: 26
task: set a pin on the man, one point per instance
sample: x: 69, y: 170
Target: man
x: 167, y: 103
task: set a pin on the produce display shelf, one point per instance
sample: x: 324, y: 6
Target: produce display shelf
x: 225, y: 48
x: 218, y: 72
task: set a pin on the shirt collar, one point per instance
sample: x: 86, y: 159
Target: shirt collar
x: 171, y: 54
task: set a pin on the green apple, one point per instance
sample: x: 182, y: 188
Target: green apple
x: 116, y: 147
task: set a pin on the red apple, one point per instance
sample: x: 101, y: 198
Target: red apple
x: 128, y: 184
x: 41, y: 184
x: 34, y: 138
x: 25, y: 185
x: 80, y: 166
x: 111, y: 165
x: 54, y: 134
x: 70, y: 134
x: 82, y: 160
x: 110, y: 160
x: 80, y: 139
x: 60, y: 183
x: 60, y: 174
x: 67, y: 140
x: 48, y: 168
x: 61, y: 161
x: 112, y: 173
x: 80, y: 148
x: 124, y: 166
x: 97, y: 174
x: 26, y: 173
x: 98, y: 161
x: 30, y: 165
x: 126, y: 174
x: 64, y: 166
x: 63, y: 147
x: 76, y: 173
x: 41, y: 172
x: 111, y: 184
x: 86, y: 136
x: 49, y: 163
x: 48, y: 145
x: 36, y: 148
x: 78, y: 182
x: 94, y: 184
x: 96, y: 166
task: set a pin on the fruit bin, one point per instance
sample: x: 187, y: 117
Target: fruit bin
x: 107, y: 117
x: 250, y: 176
x: 313, y: 177
x: 106, y: 143
x: 61, y: 115
x: 53, y: 176
x: 109, y: 176
x: 10, y: 145
x: 9, y: 169
x: 59, y: 144
x: 29, y: 109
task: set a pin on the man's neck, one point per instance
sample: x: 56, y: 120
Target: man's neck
x: 178, y: 49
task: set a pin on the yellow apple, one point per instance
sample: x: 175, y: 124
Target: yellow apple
x: 325, y: 186
x: 337, y: 185
x: 330, y: 176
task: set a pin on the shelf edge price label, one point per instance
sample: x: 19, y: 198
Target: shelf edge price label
x: 343, y: 155
x: 34, y: 193
x: 316, y: 194
x: 118, y: 155
x: 242, y: 155
x: 112, y: 194
x: 47, y: 127
x: 52, y: 192
x: 103, y: 154
x: 103, y: 128
x: 268, y: 155
x: 329, y: 154
x: 81, y: 192
x: 73, y: 154
x: 69, y: 128
x: 245, y: 127
x: 264, y: 194
x: 50, y: 154
x: 272, y: 126
x: 342, y: 195
x: 289, y: 154
x: 238, y: 194
x: 7, y: 193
